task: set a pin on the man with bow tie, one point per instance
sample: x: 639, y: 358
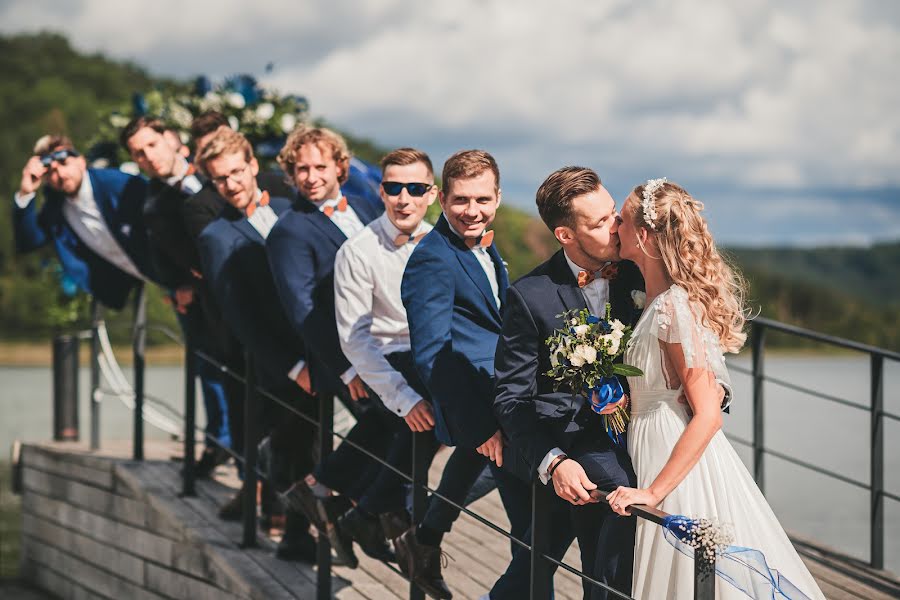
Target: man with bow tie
x: 302, y: 249
x: 454, y: 289
x: 233, y: 253
x: 93, y: 217
x: 172, y: 182
x: 560, y: 438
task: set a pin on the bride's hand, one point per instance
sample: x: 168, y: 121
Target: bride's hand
x: 623, y: 497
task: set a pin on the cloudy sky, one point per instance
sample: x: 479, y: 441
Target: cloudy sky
x: 781, y: 116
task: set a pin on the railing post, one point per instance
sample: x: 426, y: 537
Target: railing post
x: 96, y: 319
x: 419, y: 495
x: 251, y: 444
x: 541, y: 581
x: 65, y: 388
x: 326, y: 444
x: 139, y: 346
x: 190, y: 417
x: 758, y: 337
x: 704, y: 576
x: 877, y: 462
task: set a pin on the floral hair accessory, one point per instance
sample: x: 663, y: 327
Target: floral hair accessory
x: 647, y: 203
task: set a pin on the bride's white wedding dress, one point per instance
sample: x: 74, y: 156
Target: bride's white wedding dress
x: 719, y: 487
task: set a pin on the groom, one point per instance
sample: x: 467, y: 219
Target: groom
x: 563, y: 441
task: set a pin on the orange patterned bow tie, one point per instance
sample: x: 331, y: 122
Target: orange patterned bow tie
x: 486, y: 239
x: 263, y: 201
x: 341, y: 206
x: 405, y: 238
x: 607, y: 272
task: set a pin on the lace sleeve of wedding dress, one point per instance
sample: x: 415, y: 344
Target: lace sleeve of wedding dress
x: 677, y: 323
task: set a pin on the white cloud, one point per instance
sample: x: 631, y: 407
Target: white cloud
x: 756, y: 94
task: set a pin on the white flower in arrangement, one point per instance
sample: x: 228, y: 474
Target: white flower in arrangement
x: 265, y: 111
x: 639, y: 298
x: 184, y: 136
x: 235, y: 100
x: 617, y: 327
x: 288, y: 122
x: 614, y: 341
x: 554, y: 356
x: 180, y: 116
x: 118, y: 121
x: 580, y: 330
x: 573, y: 322
x: 233, y: 122
x: 583, y: 355
x: 211, y: 101
x: 130, y: 167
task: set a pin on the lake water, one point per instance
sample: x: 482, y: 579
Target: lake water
x: 807, y: 428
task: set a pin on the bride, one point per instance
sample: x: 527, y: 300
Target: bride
x: 683, y: 462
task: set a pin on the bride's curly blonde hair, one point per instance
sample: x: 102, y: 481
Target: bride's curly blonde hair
x: 689, y: 253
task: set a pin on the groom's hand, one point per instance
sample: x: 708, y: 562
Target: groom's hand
x: 571, y: 483
x: 493, y: 448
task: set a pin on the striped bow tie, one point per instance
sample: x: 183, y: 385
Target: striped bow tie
x: 341, y: 206
x: 263, y: 201
x: 486, y: 239
x: 405, y: 238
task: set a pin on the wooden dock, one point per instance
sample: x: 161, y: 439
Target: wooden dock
x: 477, y: 555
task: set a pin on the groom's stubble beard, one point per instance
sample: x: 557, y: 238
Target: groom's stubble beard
x: 609, y: 253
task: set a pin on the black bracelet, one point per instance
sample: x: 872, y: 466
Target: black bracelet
x: 552, y: 469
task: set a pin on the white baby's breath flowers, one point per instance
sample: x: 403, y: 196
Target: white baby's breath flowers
x: 711, y: 537
x: 639, y: 298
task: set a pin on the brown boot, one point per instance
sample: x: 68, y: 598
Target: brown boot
x: 422, y: 564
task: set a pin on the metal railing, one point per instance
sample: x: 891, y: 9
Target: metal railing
x: 542, y: 563
x: 758, y: 330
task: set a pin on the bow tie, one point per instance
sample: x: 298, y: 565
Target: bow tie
x: 341, y: 206
x: 486, y: 239
x: 607, y: 272
x: 405, y: 238
x: 263, y: 201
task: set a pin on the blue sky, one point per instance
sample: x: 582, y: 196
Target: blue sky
x: 781, y: 117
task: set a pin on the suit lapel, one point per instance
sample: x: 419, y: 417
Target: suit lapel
x: 568, y: 290
x: 470, y: 265
x: 323, y: 223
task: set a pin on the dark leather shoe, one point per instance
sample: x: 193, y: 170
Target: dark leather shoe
x: 394, y: 523
x: 422, y: 565
x: 232, y: 510
x: 212, y: 457
x: 367, y: 532
x: 300, y: 548
x: 330, y: 510
x: 299, y: 497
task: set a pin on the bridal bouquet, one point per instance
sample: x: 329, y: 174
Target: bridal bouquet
x: 582, y: 356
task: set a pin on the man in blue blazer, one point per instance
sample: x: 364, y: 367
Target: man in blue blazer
x: 93, y: 217
x: 302, y: 249
x: 454, y: 289
x: 232, y: 250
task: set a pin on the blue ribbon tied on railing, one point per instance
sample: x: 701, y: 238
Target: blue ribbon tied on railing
x: 608, y: 391
x: 744, y: 568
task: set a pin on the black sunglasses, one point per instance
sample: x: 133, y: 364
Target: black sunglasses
x: 393, y: 188
x: 59, y: 156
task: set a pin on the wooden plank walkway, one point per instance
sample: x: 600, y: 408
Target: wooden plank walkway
x: 478, y: 555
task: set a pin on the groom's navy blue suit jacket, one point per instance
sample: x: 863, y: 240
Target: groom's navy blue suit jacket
x: 534, y: 417
x: 301, y: 248
x: 237, y: 271
x: 454, y: 322
x: 120, y: 198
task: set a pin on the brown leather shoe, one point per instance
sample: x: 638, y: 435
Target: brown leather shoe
x: 422, y: 564
x: 299, y: 497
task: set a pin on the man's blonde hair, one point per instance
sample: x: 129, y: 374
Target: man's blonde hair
x: 224, y: 141
x: 323, y: 138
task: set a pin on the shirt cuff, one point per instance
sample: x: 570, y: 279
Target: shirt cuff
x: 545, y: 465
x: 23, y: 200
x: 295, y: 371
x: 348, y: 375
x: 403, y: 402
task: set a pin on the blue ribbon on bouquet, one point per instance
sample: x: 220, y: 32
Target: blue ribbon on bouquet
x: 744, y: 568
x: 609, y: 390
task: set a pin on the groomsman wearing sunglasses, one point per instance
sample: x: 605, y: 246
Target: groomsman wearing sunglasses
x: 302, y: 249
x: 174, y: 252
x: 93, y: 217
x: 235, y: 264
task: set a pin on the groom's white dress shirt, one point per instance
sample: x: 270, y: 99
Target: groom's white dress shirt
x: 84, y: 217
x: 596, y: 295
x: 371, y: 319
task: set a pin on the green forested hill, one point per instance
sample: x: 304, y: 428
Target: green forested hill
x: 46, y: 86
